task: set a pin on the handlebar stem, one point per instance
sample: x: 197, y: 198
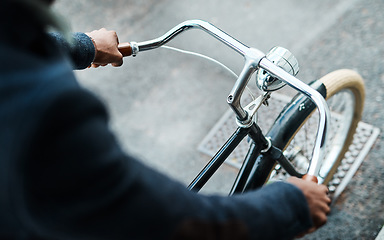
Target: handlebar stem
x: 252, y: 59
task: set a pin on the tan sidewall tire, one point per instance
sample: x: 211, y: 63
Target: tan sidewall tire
x: 335, y: 82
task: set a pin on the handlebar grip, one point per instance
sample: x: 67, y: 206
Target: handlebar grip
x: 307, y: 177
x: 125, y: 49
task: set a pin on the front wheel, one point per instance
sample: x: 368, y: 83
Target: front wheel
x: 295, y: 129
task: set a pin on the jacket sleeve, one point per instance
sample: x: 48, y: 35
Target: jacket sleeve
x: 79, y: 48
x: 80, y: 185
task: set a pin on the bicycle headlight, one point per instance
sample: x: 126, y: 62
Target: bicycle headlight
x: 282, y: 58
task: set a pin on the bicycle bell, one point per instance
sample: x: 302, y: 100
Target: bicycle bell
x: 282, y: 58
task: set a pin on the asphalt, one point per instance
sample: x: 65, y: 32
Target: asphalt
x: 163, y: 103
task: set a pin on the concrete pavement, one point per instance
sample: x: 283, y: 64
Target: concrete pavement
x: 167, y: 102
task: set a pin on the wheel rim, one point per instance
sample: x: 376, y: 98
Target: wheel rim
x: 341, y: 105
x: 299, y: 151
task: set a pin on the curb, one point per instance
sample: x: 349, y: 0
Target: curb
x: 380, y: 236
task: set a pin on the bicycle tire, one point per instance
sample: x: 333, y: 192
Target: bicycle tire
x: 292, y: 120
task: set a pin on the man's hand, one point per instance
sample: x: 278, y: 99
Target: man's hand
x: 106, y: 45
x: 318, y: 201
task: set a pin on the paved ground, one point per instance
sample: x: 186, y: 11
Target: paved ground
x: 166, y: 102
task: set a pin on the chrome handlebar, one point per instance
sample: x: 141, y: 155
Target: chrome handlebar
x: 191, y: 24
x: 254, y: 59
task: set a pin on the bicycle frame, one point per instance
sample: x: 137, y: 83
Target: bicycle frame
x: 254, y: 163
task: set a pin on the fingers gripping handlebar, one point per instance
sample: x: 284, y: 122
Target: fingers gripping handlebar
x: 254, y: 59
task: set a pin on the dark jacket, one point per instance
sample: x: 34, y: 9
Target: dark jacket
x: 64, y: 176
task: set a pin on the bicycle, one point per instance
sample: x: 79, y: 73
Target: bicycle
x: 342, y: 89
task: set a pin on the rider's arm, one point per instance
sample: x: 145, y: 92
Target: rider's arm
x: 79, y: 48
x: 80, y: 183
x: 96, y: 48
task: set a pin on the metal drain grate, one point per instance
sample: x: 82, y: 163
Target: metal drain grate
x: 363, y: 140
